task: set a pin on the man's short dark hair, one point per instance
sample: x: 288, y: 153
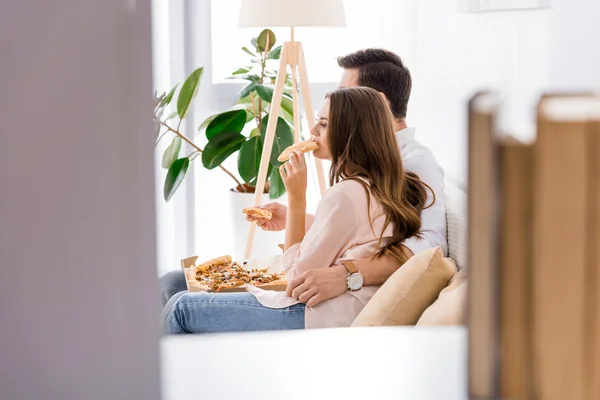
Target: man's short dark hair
x: 383, y: 71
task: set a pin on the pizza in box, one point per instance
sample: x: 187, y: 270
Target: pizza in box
x: 222, y: 274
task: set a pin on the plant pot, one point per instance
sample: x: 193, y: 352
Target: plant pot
x: 265, y: 243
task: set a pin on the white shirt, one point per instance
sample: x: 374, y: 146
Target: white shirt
x: 419, y: 160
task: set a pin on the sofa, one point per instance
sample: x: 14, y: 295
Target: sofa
x: 450, y: 307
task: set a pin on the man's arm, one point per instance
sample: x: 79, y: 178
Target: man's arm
x: 317, y: 285
x: 433, y: 218
x: 377, y: 271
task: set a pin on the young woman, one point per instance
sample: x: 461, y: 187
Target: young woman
x: 372, y: 206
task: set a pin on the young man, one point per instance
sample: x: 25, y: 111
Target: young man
x: 383, y: 71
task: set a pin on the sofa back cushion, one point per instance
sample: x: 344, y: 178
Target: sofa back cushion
x: 409, y: 291
x: 450, y: 308
x: 456, y: 221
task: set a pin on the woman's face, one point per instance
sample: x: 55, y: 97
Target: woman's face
x: 319, y: 133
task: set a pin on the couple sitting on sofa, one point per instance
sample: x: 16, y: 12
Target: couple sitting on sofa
x: 385, y: 204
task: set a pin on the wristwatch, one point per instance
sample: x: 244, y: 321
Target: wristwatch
x: 355, y: 278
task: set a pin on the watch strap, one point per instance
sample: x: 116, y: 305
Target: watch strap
x: 350, y: 267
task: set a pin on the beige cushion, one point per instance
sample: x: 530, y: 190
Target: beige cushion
x: 409, y: 291
x: 450, y: 308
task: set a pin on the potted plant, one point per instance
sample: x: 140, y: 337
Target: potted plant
x: 239, y: 130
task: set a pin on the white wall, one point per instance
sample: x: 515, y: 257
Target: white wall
x: 458, y: 54
x: 576, y: 45
x: 520, y: 54
x: 78, y: 292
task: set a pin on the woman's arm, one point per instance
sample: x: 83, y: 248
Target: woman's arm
x: 294, y: 176
x: 333, y: 228
x: 295, y: 226
x: 310, y: 218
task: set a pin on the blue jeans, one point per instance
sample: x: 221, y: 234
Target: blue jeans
x: 227, y: 312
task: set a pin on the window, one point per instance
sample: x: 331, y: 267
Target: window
x: 374, y: 23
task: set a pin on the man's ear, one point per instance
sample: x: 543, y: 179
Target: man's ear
x: 383, y: 96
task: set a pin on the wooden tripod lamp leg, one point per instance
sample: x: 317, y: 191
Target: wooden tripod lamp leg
x: 268, y: 144
x: 296, y: 100
x: 310, y: 114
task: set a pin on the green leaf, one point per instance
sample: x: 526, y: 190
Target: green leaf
x: 287, y: 104
x: 220, y: 147
x: 277, y: 188
x: 283, y: 138
x: 265, y: 93
x: 244, y: 100
x: 261, y: 41
x: 244, y: 105
x: 255, y: 133
x: 167, y: 99
x: 175, y: 176
x: 254, y: 42
x: 172, y: 115
x: 229, y: 121
x: 207, y: 121
x: 255, y: 180
x: 247, y: 90
x: 171, y: 152
x: 240, y: 71
x: 248, y: 51
x: 274, y: 54
x: 249, y: 159
x: 249, y: 77
x: 158, y: 99
x: 287, y: 116
x: 188, y: 91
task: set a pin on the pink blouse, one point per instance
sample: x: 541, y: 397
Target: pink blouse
x: 341, y: 231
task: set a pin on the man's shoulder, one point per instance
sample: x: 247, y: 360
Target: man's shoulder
x: 419, y: 159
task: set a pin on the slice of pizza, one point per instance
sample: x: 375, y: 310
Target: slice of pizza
x: 258, y: 212
x: 305, y: 146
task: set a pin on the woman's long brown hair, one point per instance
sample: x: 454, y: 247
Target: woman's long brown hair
x: 363, y: 145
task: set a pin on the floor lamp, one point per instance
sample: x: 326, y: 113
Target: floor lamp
x: 288, y: 13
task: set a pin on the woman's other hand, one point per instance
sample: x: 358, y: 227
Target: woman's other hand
x: 277, y: 221
x: 294, y: 176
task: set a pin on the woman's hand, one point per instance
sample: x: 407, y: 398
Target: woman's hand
x: 277, y: 221
x: 294, y: 176
x: 317, y: 285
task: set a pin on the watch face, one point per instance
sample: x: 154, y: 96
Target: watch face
x: 355, y: 281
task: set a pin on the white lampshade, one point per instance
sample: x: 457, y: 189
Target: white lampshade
x: 272, y: 13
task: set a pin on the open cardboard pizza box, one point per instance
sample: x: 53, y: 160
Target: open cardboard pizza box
x: 272, y: 263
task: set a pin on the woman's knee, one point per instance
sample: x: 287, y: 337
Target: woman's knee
x: 173, y: 318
